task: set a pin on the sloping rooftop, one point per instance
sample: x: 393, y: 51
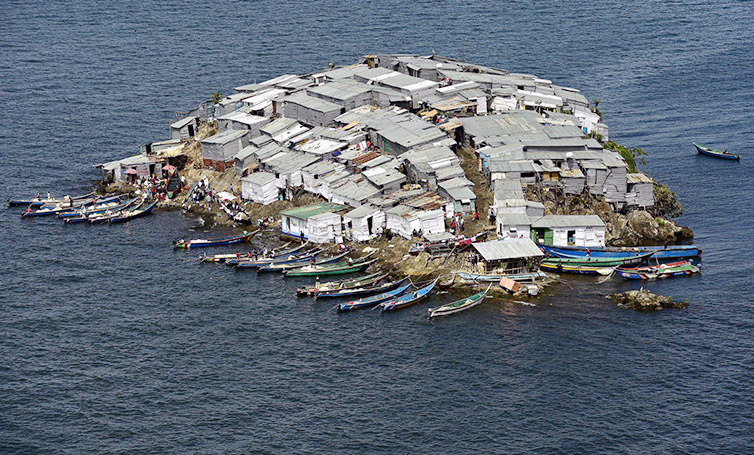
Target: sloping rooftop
x: 303, y: 213
x: 550, y: 221
x: 311, y: 102
x: 225, y: 137
x: 259, y: 178
x: 508, y: 249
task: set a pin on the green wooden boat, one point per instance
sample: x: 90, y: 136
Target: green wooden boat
x: 328, y: 270
x: 596, y: 261
x: 459, y: 305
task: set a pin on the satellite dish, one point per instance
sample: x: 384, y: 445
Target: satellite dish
x: 439, y: 66
x: 569, y: 155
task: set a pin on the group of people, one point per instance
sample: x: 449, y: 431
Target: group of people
x: 155, y: 188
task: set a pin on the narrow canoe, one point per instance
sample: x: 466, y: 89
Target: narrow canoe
x: 39, y: 202
x: 300, y: 263
x: 302, y: 260
x: 111, y: 206
x: 520, y: 277
x: 726, y: 155
x: 373, y: 300
x: 577, y: 269
x: 597, y: 262
x: 459, y: 305
x: 365, y: 290
x: 104, y: 214
x: 47, y: 210
x: 130, y: 215
x: 317, y: 270
x: 366, y: 280
x: 659, y: 252
x: 408, y: 299
x: 202, y: 243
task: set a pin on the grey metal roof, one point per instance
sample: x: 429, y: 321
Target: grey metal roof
x: 514, y: 219
x: 455, y: 183
x: 259, y: 178
x: 311, y: 102
x: 498, y: 165
x: 443, y: 236
x: 638, y: 178
x: 550, y: 221
x: 225, y: 137
x: 340, y: 90
x: 362, y: 211
x: 460, y: 193
x: 507, y: 249
x: 183, y: 122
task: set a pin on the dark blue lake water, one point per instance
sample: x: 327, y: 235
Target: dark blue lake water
x: 110, y: 342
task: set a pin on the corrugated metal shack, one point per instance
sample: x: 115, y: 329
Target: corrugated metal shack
x: 185, y: 128
x: 640, y: 191
x: 569, y: 230
x: 260, y: 187
x: 507, y: 257
x: 218, y: 151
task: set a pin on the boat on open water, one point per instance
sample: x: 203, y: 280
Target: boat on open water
x: 725, y: 155
x: 203, y: 243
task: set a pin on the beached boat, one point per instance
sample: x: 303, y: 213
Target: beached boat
x: 659, y: 271
x: 329, y: 270
x: 726, y: 155
x: 86, y: 212
x: 271, y: 256
x: 202, y: 243
x: 301, y: 258
x: 668, y: 252
x: 636, y: 259
x: 85, y: 217
x: 366, y: 280
x: 363, y: 290
x: 470, y: 277
x: 408, y: 299
x: 173, y: 185
x: 373, y: 300
x: 582, y: 269
x: 47, y: 210
x: 299, y: 263
x: 459, y: 305
x: 37, y: 202
x: 128, y: 215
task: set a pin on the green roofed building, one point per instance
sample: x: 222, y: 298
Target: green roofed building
x: 315, y: 218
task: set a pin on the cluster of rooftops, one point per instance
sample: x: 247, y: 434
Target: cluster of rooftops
x: 385, y: 132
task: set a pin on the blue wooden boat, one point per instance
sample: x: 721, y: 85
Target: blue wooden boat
x: 670, y: 252
x: 47, y: 210
x: 38, y: 202
x: 202, y: 243
x: 86, y: 212
x: 87, y: 216
x: 726, y: 155
x: 365, y: 290
x: 295, y: 258
x: 408, y: 299
x: 290, y: 265
x: 481, y: 278
x: 373, y: 300
x: 128, y: 215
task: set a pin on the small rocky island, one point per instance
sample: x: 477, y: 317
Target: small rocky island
x: 643, y: 300
x: 439, y: 167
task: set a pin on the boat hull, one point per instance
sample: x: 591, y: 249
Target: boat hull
x: 659, y: 252
x: 479, y: 278
x: 702, y: 150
